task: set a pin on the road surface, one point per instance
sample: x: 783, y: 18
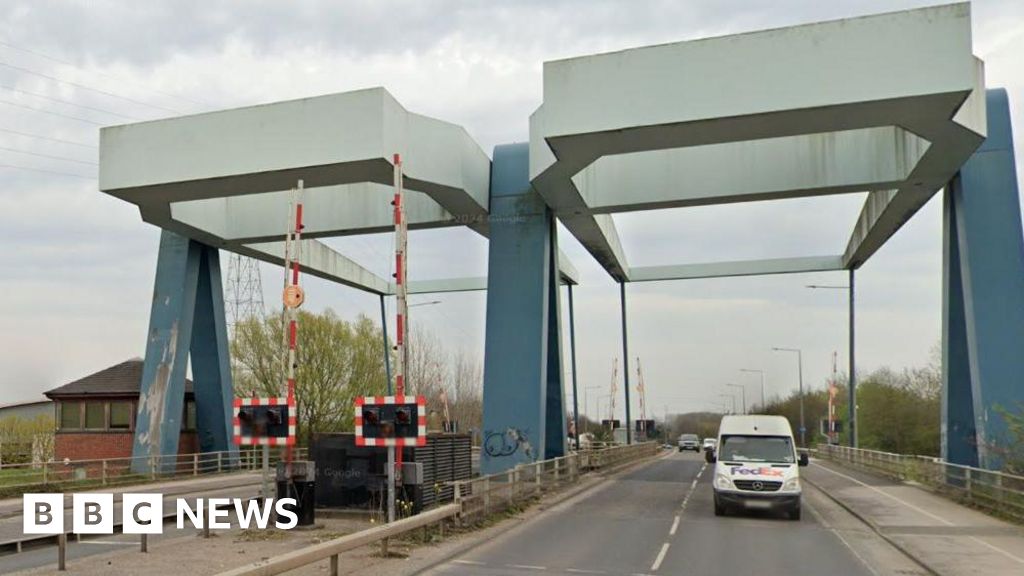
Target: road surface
x: 659, y: 519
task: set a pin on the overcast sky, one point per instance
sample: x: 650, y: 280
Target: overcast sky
x: 78, y: 265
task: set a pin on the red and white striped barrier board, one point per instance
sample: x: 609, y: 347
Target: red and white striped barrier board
x: 386, y: 429
x: 275, y: 433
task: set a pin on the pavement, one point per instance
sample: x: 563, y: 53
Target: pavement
x: 659, y: 519
x: 946, y: 537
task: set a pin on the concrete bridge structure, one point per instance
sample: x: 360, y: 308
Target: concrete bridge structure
x: 894, y: 105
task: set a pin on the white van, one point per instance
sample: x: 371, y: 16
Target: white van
x: 756, y: 465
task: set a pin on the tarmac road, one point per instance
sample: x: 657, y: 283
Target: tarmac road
x: 659, y: 519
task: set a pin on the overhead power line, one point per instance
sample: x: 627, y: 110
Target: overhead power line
x: 52, y: 113
x: 44, y: 171
x: 90, y: 88
x: 103, y: 74
x: 68, y: 102
x: 63, y: 158
x: 50, y: 138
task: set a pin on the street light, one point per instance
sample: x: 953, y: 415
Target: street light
x: 852, y: 385
x: 764, y: 402
x: 743, y: 395
x: 800, y: 371
x: 733, y: 398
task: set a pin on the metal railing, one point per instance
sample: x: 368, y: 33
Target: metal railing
x: 989, y: 490
x: 473, y: 499
x: 16, y: 479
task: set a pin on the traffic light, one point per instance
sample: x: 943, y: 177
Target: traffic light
x: 263, y: 421
x: 385, y: 422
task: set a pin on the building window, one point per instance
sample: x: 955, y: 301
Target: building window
x: 70, y: 415
x: 121, y: 415
x: 95, y: 415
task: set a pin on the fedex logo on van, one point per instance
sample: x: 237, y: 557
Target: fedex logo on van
x: 762, y: 471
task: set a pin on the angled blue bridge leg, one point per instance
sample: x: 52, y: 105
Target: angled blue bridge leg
x: 524, y: 419
x: 187, y: 313
x: 983, y: 298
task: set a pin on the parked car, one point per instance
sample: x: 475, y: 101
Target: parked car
x: 709, y: 444
x: 689, y: 442
x: 757, y: 466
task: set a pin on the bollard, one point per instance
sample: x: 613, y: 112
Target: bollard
x: 206, y: 520
x: 104, y: 472
x: 537, y: 471
x: 509, y: 480
x: 144, y: 543
x: 334, y: 565
x: 62, y: 551
x: 558, y: 463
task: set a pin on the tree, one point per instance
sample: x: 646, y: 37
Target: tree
x: 337, y: 361
x: 439, y: 374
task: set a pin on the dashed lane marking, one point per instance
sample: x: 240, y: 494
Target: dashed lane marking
x: 468, y: 562
x: 675, y: 526
x: 660, y: 558
x: 526, y: 567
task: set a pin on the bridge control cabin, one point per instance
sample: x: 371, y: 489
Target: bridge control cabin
x: 95, y: 415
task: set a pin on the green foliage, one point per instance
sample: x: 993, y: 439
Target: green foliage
x: 897, y: 412
x: 703, y: 424
x: 337, y: 361
x: 24, y: 440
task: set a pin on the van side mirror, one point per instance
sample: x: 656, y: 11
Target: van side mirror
x: 709, y: 456
x: 804, y: 460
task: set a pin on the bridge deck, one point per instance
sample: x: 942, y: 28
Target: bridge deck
x: 945, y: 536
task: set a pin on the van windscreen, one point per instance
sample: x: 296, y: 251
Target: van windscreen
x: 757, y: 449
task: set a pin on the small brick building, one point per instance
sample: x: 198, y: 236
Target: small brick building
x: 95, y: 415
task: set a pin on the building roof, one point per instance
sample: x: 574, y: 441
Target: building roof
x: 123, y: 379
x: 23, y: 404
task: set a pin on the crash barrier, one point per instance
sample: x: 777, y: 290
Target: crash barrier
x: 67, y: 475
x: 473, y: 498
x: 985, y: 489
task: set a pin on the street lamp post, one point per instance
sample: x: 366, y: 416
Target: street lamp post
x: 800, y: 371
x: 731, y: 397
x: 764, y: 401
x: 852, y: 387
x: 743, y: 395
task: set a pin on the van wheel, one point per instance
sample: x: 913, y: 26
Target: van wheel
x: 794, y: 513
x: 719, y: 508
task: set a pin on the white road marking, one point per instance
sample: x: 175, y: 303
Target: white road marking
x: 582, y: 571
x: 526, y: 567
x: 886, y: 494
x: 922, y: 511
x: 836, y: 533
x: 675, y: 526
x: 469, y: 562
x: 660, y: 558
x: 998, y: 549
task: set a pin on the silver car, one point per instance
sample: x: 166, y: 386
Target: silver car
x: 689, y: 442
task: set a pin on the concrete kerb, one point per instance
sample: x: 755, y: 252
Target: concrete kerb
x: 587, y: 484
x: 875, y: 528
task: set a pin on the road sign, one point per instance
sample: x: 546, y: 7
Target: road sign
x: 391, y: 421
x: 266, y: 421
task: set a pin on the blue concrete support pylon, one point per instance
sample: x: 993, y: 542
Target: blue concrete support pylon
x: 524, y: 415
x: 983, y: 298
x: 187, y: 315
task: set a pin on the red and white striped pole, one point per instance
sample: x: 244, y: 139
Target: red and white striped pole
x: 401, y: 312
x: 293, y: 298
x: 401, y: 292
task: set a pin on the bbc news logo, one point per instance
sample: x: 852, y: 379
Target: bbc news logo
x: 144, y: 513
